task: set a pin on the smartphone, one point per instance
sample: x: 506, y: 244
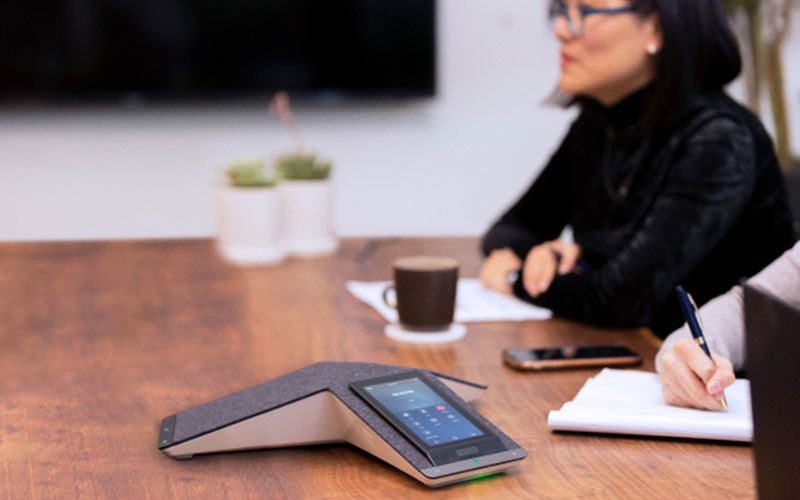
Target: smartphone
x: 576, y: 356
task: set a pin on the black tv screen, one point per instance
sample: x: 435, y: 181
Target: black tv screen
x: 55, y: 50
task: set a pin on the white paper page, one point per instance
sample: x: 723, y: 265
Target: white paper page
x: 630, y: 402
x: 474, y: 303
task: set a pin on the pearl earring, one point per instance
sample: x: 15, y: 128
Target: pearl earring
x: 652, y: 49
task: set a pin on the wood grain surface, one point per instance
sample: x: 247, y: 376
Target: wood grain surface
x: 101, y: 340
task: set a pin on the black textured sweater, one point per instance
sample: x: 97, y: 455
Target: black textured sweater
x: 701, y: 203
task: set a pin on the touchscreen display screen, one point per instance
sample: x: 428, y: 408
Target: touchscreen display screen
x: 423, y: 412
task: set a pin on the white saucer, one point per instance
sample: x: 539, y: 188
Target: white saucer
x: 456, y: 331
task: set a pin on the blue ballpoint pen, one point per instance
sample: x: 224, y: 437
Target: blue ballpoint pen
x: 690, y: 312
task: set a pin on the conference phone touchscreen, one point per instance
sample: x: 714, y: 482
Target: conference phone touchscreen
x: 436, y: 423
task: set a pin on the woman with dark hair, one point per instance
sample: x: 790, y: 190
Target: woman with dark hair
x: 663, y: 178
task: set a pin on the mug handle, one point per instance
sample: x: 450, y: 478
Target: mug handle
x: 387, y: 292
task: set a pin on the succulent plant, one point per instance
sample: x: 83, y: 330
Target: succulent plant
x: 249, y: 172
x: 302, y: 166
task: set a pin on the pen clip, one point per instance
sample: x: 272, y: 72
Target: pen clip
x: 696, y: 311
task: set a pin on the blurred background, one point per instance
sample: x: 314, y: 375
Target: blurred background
x: 439, y: 163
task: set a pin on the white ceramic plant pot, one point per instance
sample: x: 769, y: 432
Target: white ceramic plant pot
x: 308, y: 218
x: 248, y: 225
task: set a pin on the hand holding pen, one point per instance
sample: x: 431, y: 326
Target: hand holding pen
x: 692, y: 316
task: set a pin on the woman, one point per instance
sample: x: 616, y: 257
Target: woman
x: 663, y: 178
x: 688, y: 377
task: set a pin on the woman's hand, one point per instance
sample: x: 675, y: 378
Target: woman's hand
x: 690, y: 379
x: 496, y: 269
x: 545, y: 261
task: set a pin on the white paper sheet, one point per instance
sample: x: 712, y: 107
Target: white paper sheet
x: 474, y: 303
x: 630, y: 402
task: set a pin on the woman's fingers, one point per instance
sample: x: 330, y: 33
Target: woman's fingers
x: 496, y: 269
x: 690, y: 379
x: 547, y: 260
x: 540, y: 269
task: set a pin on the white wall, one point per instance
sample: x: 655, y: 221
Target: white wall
x: 445, y: 166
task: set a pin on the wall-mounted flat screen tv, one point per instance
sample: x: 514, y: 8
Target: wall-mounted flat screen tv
x: 73, y: 50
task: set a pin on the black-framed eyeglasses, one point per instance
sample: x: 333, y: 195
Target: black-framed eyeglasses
x: 574, y: 14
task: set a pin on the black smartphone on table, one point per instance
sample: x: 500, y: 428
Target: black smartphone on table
x: 574, y: 356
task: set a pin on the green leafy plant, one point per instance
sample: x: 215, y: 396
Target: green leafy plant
x: 302, y: 166
x: 250, y: 172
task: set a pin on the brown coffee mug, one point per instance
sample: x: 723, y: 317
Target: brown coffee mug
x: 424, y: 290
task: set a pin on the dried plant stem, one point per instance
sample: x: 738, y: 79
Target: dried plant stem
x: 280, y: 106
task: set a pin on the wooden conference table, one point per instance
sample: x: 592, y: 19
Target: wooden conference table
x: 99, y: 341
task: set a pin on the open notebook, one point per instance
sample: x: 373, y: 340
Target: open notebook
x: 630, y: 402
